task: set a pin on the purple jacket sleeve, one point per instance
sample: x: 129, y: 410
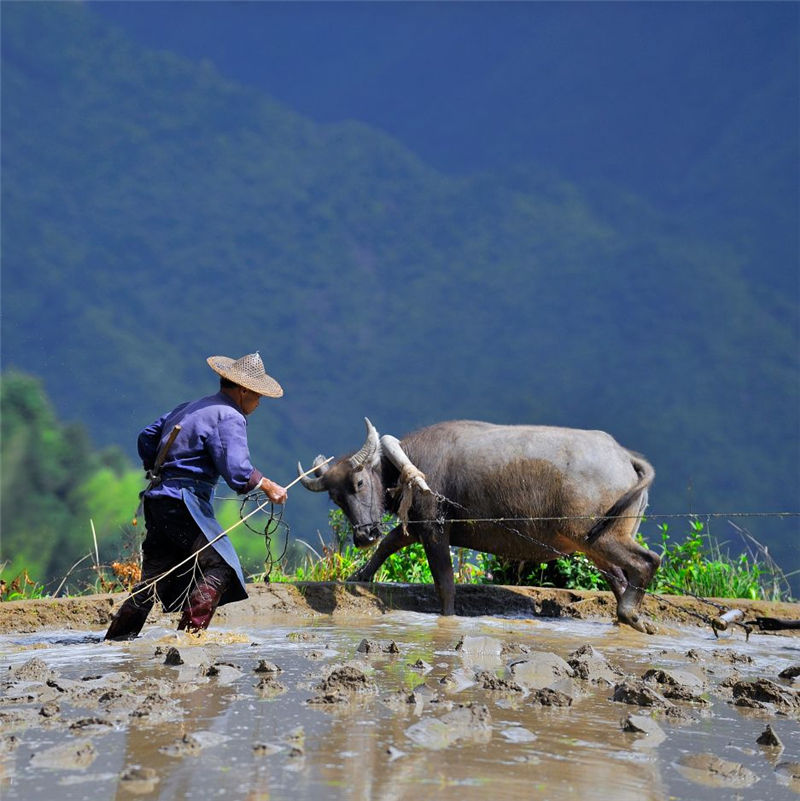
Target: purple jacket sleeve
x: 231, y: 456
x: 147, y: 443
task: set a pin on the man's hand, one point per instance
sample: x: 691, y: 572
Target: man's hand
x: 275, y: 492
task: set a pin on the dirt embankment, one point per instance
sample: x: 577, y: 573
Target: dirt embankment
x: 335, y: 598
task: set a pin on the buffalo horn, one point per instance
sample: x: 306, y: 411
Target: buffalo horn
x: 399, y: 458
x: 370, y: 451
x: 316, y: 484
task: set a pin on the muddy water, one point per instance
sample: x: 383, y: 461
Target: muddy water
x: 418, y: 719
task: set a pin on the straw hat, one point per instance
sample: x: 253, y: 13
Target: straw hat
x: 248, y: 372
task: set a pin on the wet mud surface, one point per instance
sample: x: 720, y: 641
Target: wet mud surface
x: 321, y: 692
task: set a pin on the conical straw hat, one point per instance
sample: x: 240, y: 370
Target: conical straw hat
x: 247, y: 372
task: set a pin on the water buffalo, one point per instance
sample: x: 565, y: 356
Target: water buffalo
x: 527, y: 493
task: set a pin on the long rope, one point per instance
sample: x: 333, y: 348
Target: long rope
x: 440, y: 521
x: 646, y: 516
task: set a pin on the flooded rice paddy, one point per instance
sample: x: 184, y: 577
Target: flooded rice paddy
x: 403, y: 706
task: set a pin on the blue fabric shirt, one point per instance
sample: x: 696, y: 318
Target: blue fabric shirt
x: 212, y: 443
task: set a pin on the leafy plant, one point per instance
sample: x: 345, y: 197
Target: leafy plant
x: 338, y: 560
x: 21, y: 588
x: 573, y: 572
x: 699, y: 566
x: 409, y: 566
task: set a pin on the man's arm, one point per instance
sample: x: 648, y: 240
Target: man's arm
x: 231, y: 456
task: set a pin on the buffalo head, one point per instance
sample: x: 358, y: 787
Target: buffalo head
x: 355, y: 484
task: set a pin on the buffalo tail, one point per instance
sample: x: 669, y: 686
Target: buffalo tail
x: 646, y: 475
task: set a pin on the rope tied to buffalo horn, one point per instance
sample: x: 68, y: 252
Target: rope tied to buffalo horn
x: 410, y: 477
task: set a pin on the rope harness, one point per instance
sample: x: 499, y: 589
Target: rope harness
x: 410, y: 477
x: 273, y: 524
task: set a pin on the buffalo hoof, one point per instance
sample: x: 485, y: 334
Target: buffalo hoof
x: 635, y: 622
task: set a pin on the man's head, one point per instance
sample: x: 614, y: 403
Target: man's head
x: 244, y: 380
x: 244, y: 398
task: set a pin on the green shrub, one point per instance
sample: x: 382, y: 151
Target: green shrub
x: 573, y: 572
x: 699, y: 566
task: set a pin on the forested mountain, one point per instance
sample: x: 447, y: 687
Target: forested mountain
x: 155, y: 213
x: 693, y: 106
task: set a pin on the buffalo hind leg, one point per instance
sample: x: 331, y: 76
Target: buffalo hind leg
x: 394, y: 541
x: 618, y: 554
x: 613, y: 575
x: 643, y: 567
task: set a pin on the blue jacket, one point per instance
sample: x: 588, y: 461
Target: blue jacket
x: 212, y: 443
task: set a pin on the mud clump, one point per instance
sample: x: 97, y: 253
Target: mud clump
x: 547, y: 696
x: 193, y: 744
x: 541, y: 669
x: 677, y: 685
x: 713, y: 771
x: 590, y: 665
x: 648, y: 732
x: 769, y: 739
x: 639, y: 693
x: 488, y: 681
x: 343, y: 684
x: 788, y: 773
x: 34, y: 670
x: 372, y: 647
x: 70, y: 756
x: 467, y: 723
x: 765, y: 694
x: 139, y: 780
x: 270, y: 687
x: 265, y: 666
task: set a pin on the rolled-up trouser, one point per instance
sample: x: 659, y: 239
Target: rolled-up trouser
x: 195, y: 587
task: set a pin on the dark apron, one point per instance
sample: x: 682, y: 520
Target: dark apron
x: 198, y: 496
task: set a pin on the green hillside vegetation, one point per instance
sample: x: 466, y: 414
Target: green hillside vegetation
x: 160, y: 213
x: 52, y: 484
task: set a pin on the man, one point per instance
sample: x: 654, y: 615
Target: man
x: 211, y: 441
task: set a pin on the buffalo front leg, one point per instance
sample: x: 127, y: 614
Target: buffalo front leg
x: 437, y: 549
x: 394, y: 541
